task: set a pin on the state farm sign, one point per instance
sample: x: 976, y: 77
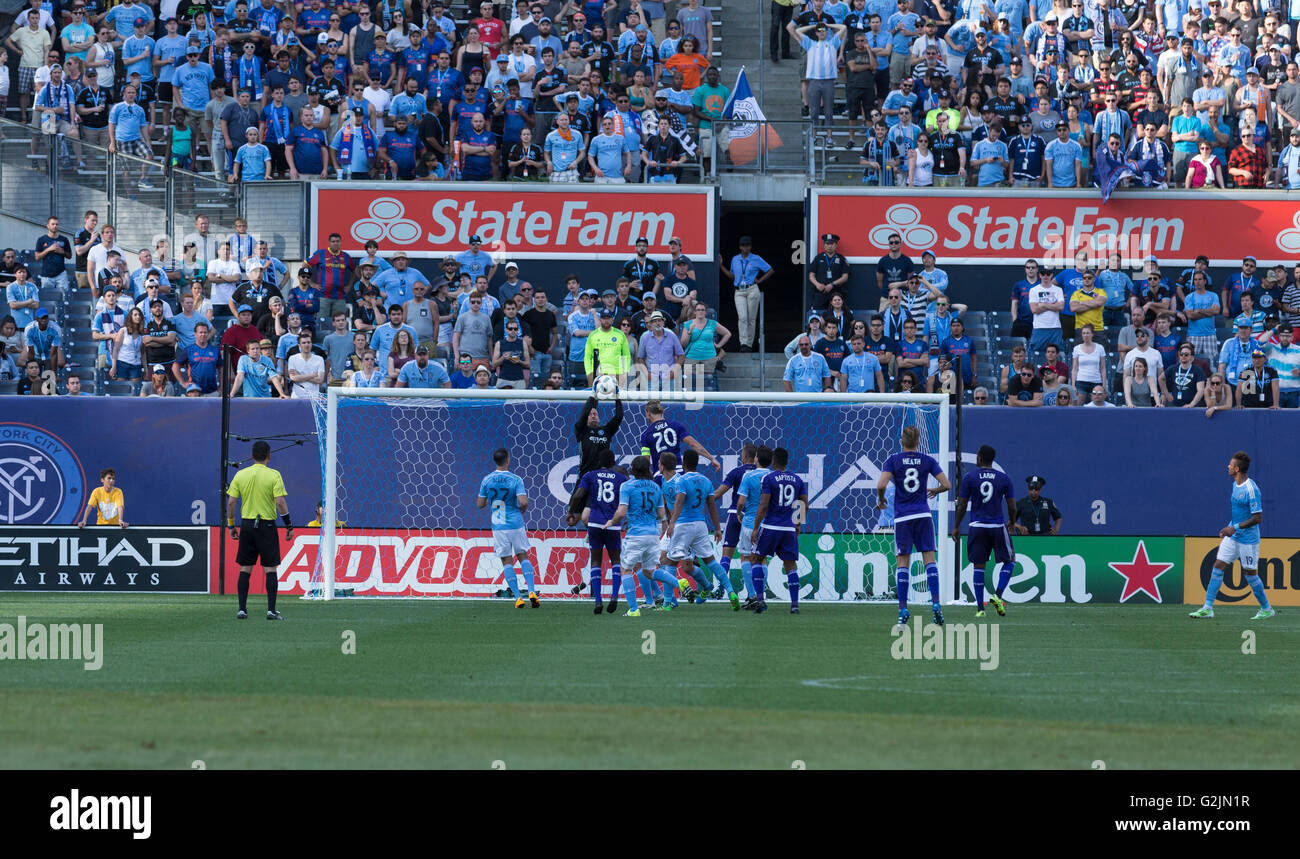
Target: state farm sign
x: 528, y: 222
x: 1005, y: 227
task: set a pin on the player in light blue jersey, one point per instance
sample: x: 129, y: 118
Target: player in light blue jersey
x: 597, y: 495
x: 688, y: 527
x: 987, y: 489
x: 641, y: 504
x: 747, y: 499
x: 1240, y: 540
x: 913, y: 528
x: 731, y: 534
x: 782, y: 509
x: 503, y: 493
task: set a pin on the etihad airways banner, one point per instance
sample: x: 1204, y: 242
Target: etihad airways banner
x: 516, y: 221
x: 1004, y: 227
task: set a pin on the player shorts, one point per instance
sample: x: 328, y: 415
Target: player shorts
x: 258, y: 543
x: 745, y: 542
x: 609, y: 539
x: 731, y: 536
x: 507, y: 543
x: 1248, y: 553
x: 986, y: 540
x: 914, y: 535
x: 642, y: 550
x: 782, y: 544
x: 690, y: 540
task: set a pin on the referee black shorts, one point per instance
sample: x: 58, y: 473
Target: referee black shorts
x: 259, y: 540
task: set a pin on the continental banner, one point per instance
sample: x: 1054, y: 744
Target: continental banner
x: 105, y: 558
x: 1279, y: 566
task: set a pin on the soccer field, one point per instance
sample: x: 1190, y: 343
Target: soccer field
x: 470, y: 683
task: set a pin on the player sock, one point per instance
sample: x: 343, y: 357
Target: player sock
x: 747, y: 571
x: 759, y: 574
x: 629, y: 591
x: 720, y: 573
x: 1212, y: 591
x: 272, y: 589
x: 529, y: 578
x: 647, y: 587
x: 932, y: 579
x: 1004, y: 576
x: 979, y: 587
x: 792, y: 582
x: 243, y: 590
x: 903, y: 580
x: 511, y: 581
x: 664, y: 577
x: 1257, y: 586
x: 697, y: 573
x: 725, y: 563
x: 593, y: 576
x: 616, y: 576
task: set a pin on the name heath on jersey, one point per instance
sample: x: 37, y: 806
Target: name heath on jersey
x: 40, y: 642
x: 132, y: 813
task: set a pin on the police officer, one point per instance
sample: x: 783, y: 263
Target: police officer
x: 828, y: 272
x: 259, y: 490
x: 1035, y: 514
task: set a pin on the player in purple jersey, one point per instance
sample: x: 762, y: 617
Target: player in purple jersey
x: 782, y: 508
x: 662, y: 435
x: 913, y: 527
x: 731, y: 535
x: 597, y: 497
x: 988, y: 490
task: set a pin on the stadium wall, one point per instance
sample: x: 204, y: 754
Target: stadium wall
x: 1112, y: 472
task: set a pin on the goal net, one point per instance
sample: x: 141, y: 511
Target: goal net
x: 402, y: 468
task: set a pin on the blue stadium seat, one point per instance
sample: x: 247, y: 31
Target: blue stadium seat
x: 122, y: 389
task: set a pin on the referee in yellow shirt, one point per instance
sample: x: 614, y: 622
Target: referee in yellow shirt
x: 608, y: 345
x: 260, y: 492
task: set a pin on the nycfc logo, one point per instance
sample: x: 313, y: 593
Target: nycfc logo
x: 1289, y: 239
x: 386, y: 222
x: 41, y: 479
x: 905, y: 220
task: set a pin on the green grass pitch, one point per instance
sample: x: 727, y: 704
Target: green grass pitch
x: 467, y: 684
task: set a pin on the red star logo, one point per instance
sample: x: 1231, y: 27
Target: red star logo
x: 1140, y: 574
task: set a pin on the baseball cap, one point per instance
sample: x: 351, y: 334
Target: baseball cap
x: 1046, y: 368
x: 608, y: 292
x: 745, y: 240
x: 503, y: 58
x: 253, y: 264
x: 266, y: 343
x: 512, y: 264
x: 590, y: 292
x: 484, y: 370
x: 475, y: 239
x: 140, y: 22
x: 193, y: 387
x: 399, y: 255
x: 1258, y: 353
x: 41, y: 313
x: 1251, y: 70
x: 92, y: 72
x: 192, y: 49
x: 1062, y: 124
x: 1284, y: 328
x: 606, y: 313
x: 423, y: 350
x: 159, y: 368
x: 646, y: 295
x: 244, y: 307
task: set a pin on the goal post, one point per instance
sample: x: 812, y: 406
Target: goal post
x: 401, y: 470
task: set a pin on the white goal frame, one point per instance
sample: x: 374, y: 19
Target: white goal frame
x: 334, y: 394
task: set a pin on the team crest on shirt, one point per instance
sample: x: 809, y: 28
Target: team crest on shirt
x: 42, y: 481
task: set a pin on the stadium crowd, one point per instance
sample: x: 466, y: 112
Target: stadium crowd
x: 396, y: 89
x: 1054, y: 93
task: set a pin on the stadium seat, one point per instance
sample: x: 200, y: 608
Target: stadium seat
x: 51, y: 295
x: 8, y: 386
x: 122, y: 389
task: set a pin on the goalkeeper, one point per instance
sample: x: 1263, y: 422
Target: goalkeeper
x: 593, y: 439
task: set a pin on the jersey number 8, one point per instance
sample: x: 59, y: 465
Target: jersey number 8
x: 911, y: 480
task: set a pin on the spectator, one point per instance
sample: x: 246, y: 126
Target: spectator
x: 197, y: 364
x: 511, y: 357
x: 1025, y: 389
x: 1052, y: 385
x: 540, y: 317
x: 1087, y: 302
x: 1063, y: 159
x: 23, y: 297
x: 1257, y: 385
x: 1284, y: 359
x: 991, y: 158
x: 472, y: 334
x: 421, y: 372
x: 1184, y: 382
x: 45, y: 341
x: 834, y: 349
x: 237, y: 337
x: 129, y: 130
x: 474, y: 262
x: 32, y: 42
x: 892, y: 270
x: 747, y: 272
x: 33, y: 382
x: 702, y: 341
x: 822, y: 43
x: 1248, y: 164
x: 306, y: 369
x: 157, y: 385
x: 806, y: 371
x: 256, y: 375
x: 1144, y: 352
x: 1046, y: 302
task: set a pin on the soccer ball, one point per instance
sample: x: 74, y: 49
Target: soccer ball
x: 606, y: 387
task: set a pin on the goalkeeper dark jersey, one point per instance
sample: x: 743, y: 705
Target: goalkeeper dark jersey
x: 595, y: 439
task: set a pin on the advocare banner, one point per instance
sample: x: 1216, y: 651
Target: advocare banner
x: 1004, y: 227
x: 525, y: 221
x: 105, y: 558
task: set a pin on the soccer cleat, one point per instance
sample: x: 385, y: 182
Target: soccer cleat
x: 519, y: 602
x: 243, y: 615
x: 532, y: 598
x: 735, y: 602
x: 1203, y: 611
x: 794, y: 609
x: 760, y: 607
x: 981, y: 613
x: 750, y: 603
x: 1264, y: 613
x: 599, y: 609
x: 700, y: 598
x: 666, y: 607
x: 999, y: 604
x: 273, y: 615
x: 659, y: 601
x: 578, y: 588
x: 636, y: 612
x: 903, y: 616
x: 718, y: 592
x: 683, y: 584
x: 611, y: 606
x: 938, y: 614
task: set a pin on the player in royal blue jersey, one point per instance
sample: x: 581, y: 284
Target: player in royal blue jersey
x: 910, y: 471
x: 731, y: 534
x: 503, y: 493
x: 987, y: 490
x: 1240, y: 539
x: 782, y: 508
x: 662, y: 435
x: 694, y: 511
x: 641, y: 504
x: 747, y: 499
x: 597, y: 496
